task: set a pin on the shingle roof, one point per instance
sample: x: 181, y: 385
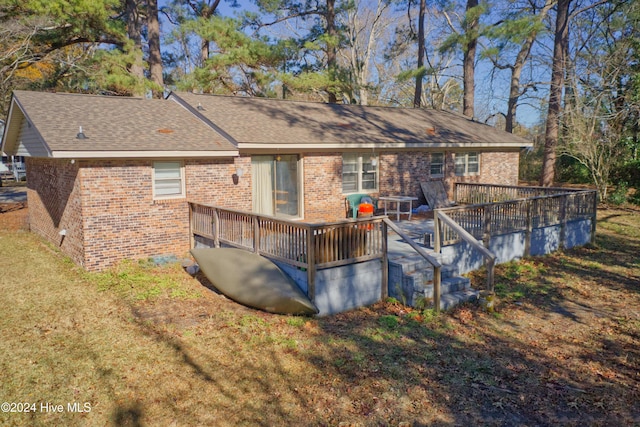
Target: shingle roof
x: 269, y: 121
x: 117, y: 124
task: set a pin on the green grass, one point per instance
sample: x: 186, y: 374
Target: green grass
x: 150, y: 345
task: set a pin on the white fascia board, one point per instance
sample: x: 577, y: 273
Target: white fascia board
x: 411, y: 146
x: 140, y: 154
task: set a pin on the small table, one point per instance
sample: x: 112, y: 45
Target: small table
x: 398, y: 201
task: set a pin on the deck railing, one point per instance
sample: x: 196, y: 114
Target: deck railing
x: 492, y: 210
x: 307, y: 246
x: 494, y: 213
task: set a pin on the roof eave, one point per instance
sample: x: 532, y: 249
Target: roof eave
x: 12, y: 130
x: 142, y: 154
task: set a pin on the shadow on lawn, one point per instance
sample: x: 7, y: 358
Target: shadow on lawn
x: 559, y: 358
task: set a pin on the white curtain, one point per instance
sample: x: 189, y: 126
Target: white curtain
x: 262, y: 176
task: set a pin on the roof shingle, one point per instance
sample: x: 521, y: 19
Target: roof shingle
x: 269, y: 121
x: 117, y: 123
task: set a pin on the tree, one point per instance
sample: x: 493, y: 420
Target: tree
x: 364, y: 28
x: 324, y: 34
x: 560, y: 49
x: 155, y: 57
x: 602, y: 107
x: 417, y: 97
x: 518, y: 31
x: 467, y: 39
x: 43, y: 44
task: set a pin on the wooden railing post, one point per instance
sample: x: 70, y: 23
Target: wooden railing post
x: 529, y: 230
x: 436, y: 232
x: 311, y: 264
x: 384, y: 292
x: 216, y: 228
x: 486, y: 235
x: 256, y: 234
x: 192, y: 238
x: 564, y: 200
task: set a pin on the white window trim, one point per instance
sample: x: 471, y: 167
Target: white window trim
x: 359, y: 188
x: 444, y: 160
x: 466, y: 163
x: 183, y: 191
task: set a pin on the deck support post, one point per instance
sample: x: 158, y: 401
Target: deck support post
x: 437, y: 278
x: 594, y: 217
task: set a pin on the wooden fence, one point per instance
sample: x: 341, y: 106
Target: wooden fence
x: 307, y: 246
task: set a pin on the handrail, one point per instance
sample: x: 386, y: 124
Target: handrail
x: 432, y: 260
x: 489, y: 256
x: 437, y: 266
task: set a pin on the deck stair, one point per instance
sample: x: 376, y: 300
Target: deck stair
x: 411, y: 277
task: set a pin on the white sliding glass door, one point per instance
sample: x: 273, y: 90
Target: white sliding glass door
x: 276, y: 185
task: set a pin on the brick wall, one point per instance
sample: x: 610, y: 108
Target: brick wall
x: 323, y: 187
x: 53, y: 197
x: 123, y: 221
x: 402, y: 172
x: 500, y: 168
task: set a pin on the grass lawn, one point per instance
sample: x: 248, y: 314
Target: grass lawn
x: 148, y: 345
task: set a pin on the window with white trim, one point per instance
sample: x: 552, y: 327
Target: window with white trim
x: 437, y: 164
x: 467, y: 164
x: 168, y: 180
x: 359, y: 173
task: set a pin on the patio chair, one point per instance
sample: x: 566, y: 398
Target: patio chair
x: 436, y: 194
x: 352, y: 201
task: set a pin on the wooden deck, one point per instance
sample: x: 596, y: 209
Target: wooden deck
x: 484, y: 211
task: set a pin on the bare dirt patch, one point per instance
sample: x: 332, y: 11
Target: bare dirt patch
x: 14, y: 216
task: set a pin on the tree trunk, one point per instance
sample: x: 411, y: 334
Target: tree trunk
x: 332, y: 62
x: 516, y: 70
x: 468, y: 66
x: 560, y: 48
x: 134, y: 32
x: 155, y: 57
x: 204, y: 52
x: 417, y: 97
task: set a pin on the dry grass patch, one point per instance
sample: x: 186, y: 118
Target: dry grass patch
x: 149, y: 345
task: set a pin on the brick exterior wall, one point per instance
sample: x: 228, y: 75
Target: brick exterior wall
x: 401, y: 173
x: 323, y: 200
x: 55, y: 204
x: 109, y: 214
x: 500, y: 168
x: 108, y: 211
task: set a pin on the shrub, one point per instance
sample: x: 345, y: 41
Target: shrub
x: 619, y: 196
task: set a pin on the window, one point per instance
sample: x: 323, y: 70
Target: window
x: 437, y: 164
x: 168, y: 180
x: 359, y: 173
x: 467, y: 164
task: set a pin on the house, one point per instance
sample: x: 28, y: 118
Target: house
x: 110, y: 178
